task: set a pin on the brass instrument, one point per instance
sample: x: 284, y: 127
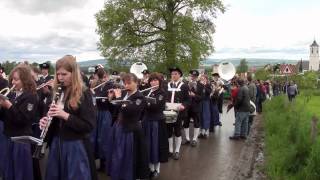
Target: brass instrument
x: 137, y: 69
x: 226, y: 70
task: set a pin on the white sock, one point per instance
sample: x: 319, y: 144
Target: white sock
x: 157, y: 167
x: 186, y: 130
x: 178, y: 143
x: 170, y: 144
x: 202, y: 131
x: 195, y: 134
x: 207, y: 132
x: 151, y: 166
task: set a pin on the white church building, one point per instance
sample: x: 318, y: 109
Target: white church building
x: 314, y: 62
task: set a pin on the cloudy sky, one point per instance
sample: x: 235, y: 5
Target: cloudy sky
x: 48, y: 29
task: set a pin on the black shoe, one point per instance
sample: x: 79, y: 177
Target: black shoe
x: 201, y: 136
x: 243, y: 137
x: 176, y: 156
x: 170, y: 154
x: 234, y: 137
x: 193, y: 143
x: 154, y: 175
x: 205, y: 136
x: 186, y: 142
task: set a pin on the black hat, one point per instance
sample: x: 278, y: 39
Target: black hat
x: 97, y: 67
x: 215, y: 74
x: 145, y: 71
x: 115, y: 73
x: 194, y: 73
x: 176, y: 69
x: 44, y: 66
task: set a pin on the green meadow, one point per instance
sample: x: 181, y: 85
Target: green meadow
x: 290, y: 151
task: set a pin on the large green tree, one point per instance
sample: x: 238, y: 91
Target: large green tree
x: 243, y: 66
x: 160, y: 33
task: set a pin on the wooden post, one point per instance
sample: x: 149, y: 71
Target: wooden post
x: 314, y: 128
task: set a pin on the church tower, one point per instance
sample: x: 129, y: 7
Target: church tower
x: 314, y: 61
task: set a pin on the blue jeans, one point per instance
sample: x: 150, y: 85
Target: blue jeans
x: 241, y: 126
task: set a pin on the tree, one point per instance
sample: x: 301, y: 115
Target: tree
x: 159, y: 33
x: 262, y: 74
x: 243, y: 66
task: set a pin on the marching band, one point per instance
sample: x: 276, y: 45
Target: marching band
x: 130, y: 125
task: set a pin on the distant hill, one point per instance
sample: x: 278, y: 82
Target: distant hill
x: 208, y: 62
x: 251, y: 61
x: 94, y: 62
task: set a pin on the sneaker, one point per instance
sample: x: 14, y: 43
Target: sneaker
x: 234, y: 137
x: 176, y: 156
x: 193, y: 143
x: 170, y: 154
x: 201, y: 136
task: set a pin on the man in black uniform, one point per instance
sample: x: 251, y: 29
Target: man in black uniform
x: 144, y: 81
x: 178, y: 92
x: 44, y: 67
x: 196, y: 95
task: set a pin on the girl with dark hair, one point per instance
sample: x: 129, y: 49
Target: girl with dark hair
x: 70, y: 155
x: 154, y: 125
x: 127, y: 158
x: 101, y: 133
x: 18, y: 114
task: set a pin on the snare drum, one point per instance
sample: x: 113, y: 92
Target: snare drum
x: 171, y: 116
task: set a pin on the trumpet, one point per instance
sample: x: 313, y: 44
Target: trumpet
x: 7, y: 90
x: 38, y: 151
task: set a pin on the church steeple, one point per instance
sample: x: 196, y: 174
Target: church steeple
x: 314, y: 56
x: 314, y: 44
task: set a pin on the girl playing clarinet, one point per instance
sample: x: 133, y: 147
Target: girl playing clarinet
x: 70, y: 155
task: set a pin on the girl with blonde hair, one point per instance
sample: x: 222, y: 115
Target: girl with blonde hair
x: 70, y: 155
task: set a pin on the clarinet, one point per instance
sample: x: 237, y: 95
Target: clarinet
x: 38, y: 154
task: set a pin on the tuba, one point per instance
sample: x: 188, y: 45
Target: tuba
x: 226, y: 70
x: 137, y: 69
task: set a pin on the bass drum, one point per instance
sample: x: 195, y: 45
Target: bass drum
x: 171, y: 116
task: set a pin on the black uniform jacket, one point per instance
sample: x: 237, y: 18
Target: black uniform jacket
x: 196, y: 100
x: 80, y: 122
x: 19, y: 117
x: 181, y: 96
x: 130, y: 113
x: 156, y: 108
x: 102, y: 91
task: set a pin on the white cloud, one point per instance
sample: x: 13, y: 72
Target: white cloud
x: 49, y: 29
x: 286, y: 28
x: 49, y: 34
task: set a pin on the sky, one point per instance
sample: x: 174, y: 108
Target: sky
x: 48, y: 29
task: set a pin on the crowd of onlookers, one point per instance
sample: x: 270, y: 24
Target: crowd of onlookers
x: 247, y: 97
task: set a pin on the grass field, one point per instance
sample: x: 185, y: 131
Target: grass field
x: 290, y: 151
